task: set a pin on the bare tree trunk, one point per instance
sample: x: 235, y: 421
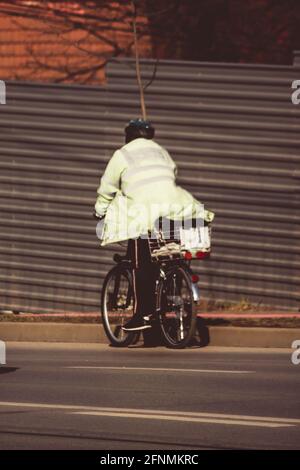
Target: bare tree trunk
x: 137, y: 63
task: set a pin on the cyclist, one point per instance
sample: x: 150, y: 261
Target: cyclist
x: 137, y: 187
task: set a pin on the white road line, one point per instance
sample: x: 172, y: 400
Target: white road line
x: 187, y: 419
x: 162, y: 369
x: 161, y: 414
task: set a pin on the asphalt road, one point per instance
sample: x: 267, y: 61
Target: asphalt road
x: 64, y: 396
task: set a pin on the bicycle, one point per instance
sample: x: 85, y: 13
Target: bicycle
x: 177, y: 292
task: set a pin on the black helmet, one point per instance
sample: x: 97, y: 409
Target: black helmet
x: 138, y: 128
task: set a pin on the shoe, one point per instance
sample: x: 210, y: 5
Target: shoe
x: 137, y: 323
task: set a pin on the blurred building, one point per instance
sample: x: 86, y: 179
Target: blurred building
x: 33, y: 49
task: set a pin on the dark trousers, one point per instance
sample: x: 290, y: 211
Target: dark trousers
x: 144, y: 276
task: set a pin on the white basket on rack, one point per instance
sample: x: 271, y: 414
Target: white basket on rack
x: 193, y: 242
x: 198, y: 238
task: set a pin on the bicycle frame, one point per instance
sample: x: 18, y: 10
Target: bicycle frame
x: 186, y: 264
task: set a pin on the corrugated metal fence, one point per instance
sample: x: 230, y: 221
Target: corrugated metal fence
x: 234, y: 133
x: 53, y: 148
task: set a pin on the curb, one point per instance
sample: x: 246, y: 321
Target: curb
x: 255, y: 337
x: 52, y: 332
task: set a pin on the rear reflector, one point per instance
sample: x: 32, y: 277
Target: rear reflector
x: 188, y: 255
x: 202, y: 254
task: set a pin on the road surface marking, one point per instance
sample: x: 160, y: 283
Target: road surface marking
x: 246, y: 420
x: 188, y: 419
x: 162, y: 369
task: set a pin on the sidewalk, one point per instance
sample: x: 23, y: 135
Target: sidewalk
x: 93, y: 333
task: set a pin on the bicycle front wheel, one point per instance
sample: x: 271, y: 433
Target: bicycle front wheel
x: 177, y: 308
x: 117, y: 305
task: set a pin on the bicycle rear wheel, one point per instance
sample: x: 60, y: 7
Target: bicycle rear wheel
x: 177, y: 308
x: 117, y: 305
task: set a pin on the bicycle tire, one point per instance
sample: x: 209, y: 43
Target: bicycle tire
x: 113, y: 331
x: 185, y: 321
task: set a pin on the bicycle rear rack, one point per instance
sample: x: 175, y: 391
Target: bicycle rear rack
x: 173, y: 241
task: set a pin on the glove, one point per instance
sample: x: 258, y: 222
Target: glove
x: 97, y: 216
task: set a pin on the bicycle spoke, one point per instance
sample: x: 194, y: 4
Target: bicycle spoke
x: 117, y: 305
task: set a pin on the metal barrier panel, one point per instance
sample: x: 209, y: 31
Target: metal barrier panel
x: 234, y: 133
x: 53, y: 151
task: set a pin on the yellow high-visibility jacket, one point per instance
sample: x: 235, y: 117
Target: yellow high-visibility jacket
x: 137, y: 187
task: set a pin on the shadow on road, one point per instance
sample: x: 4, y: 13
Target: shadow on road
x: 202, y: 336
x: 6, y: 370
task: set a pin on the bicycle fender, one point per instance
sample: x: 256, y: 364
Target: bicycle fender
x: 194, y: 286
x: 196, y: 292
